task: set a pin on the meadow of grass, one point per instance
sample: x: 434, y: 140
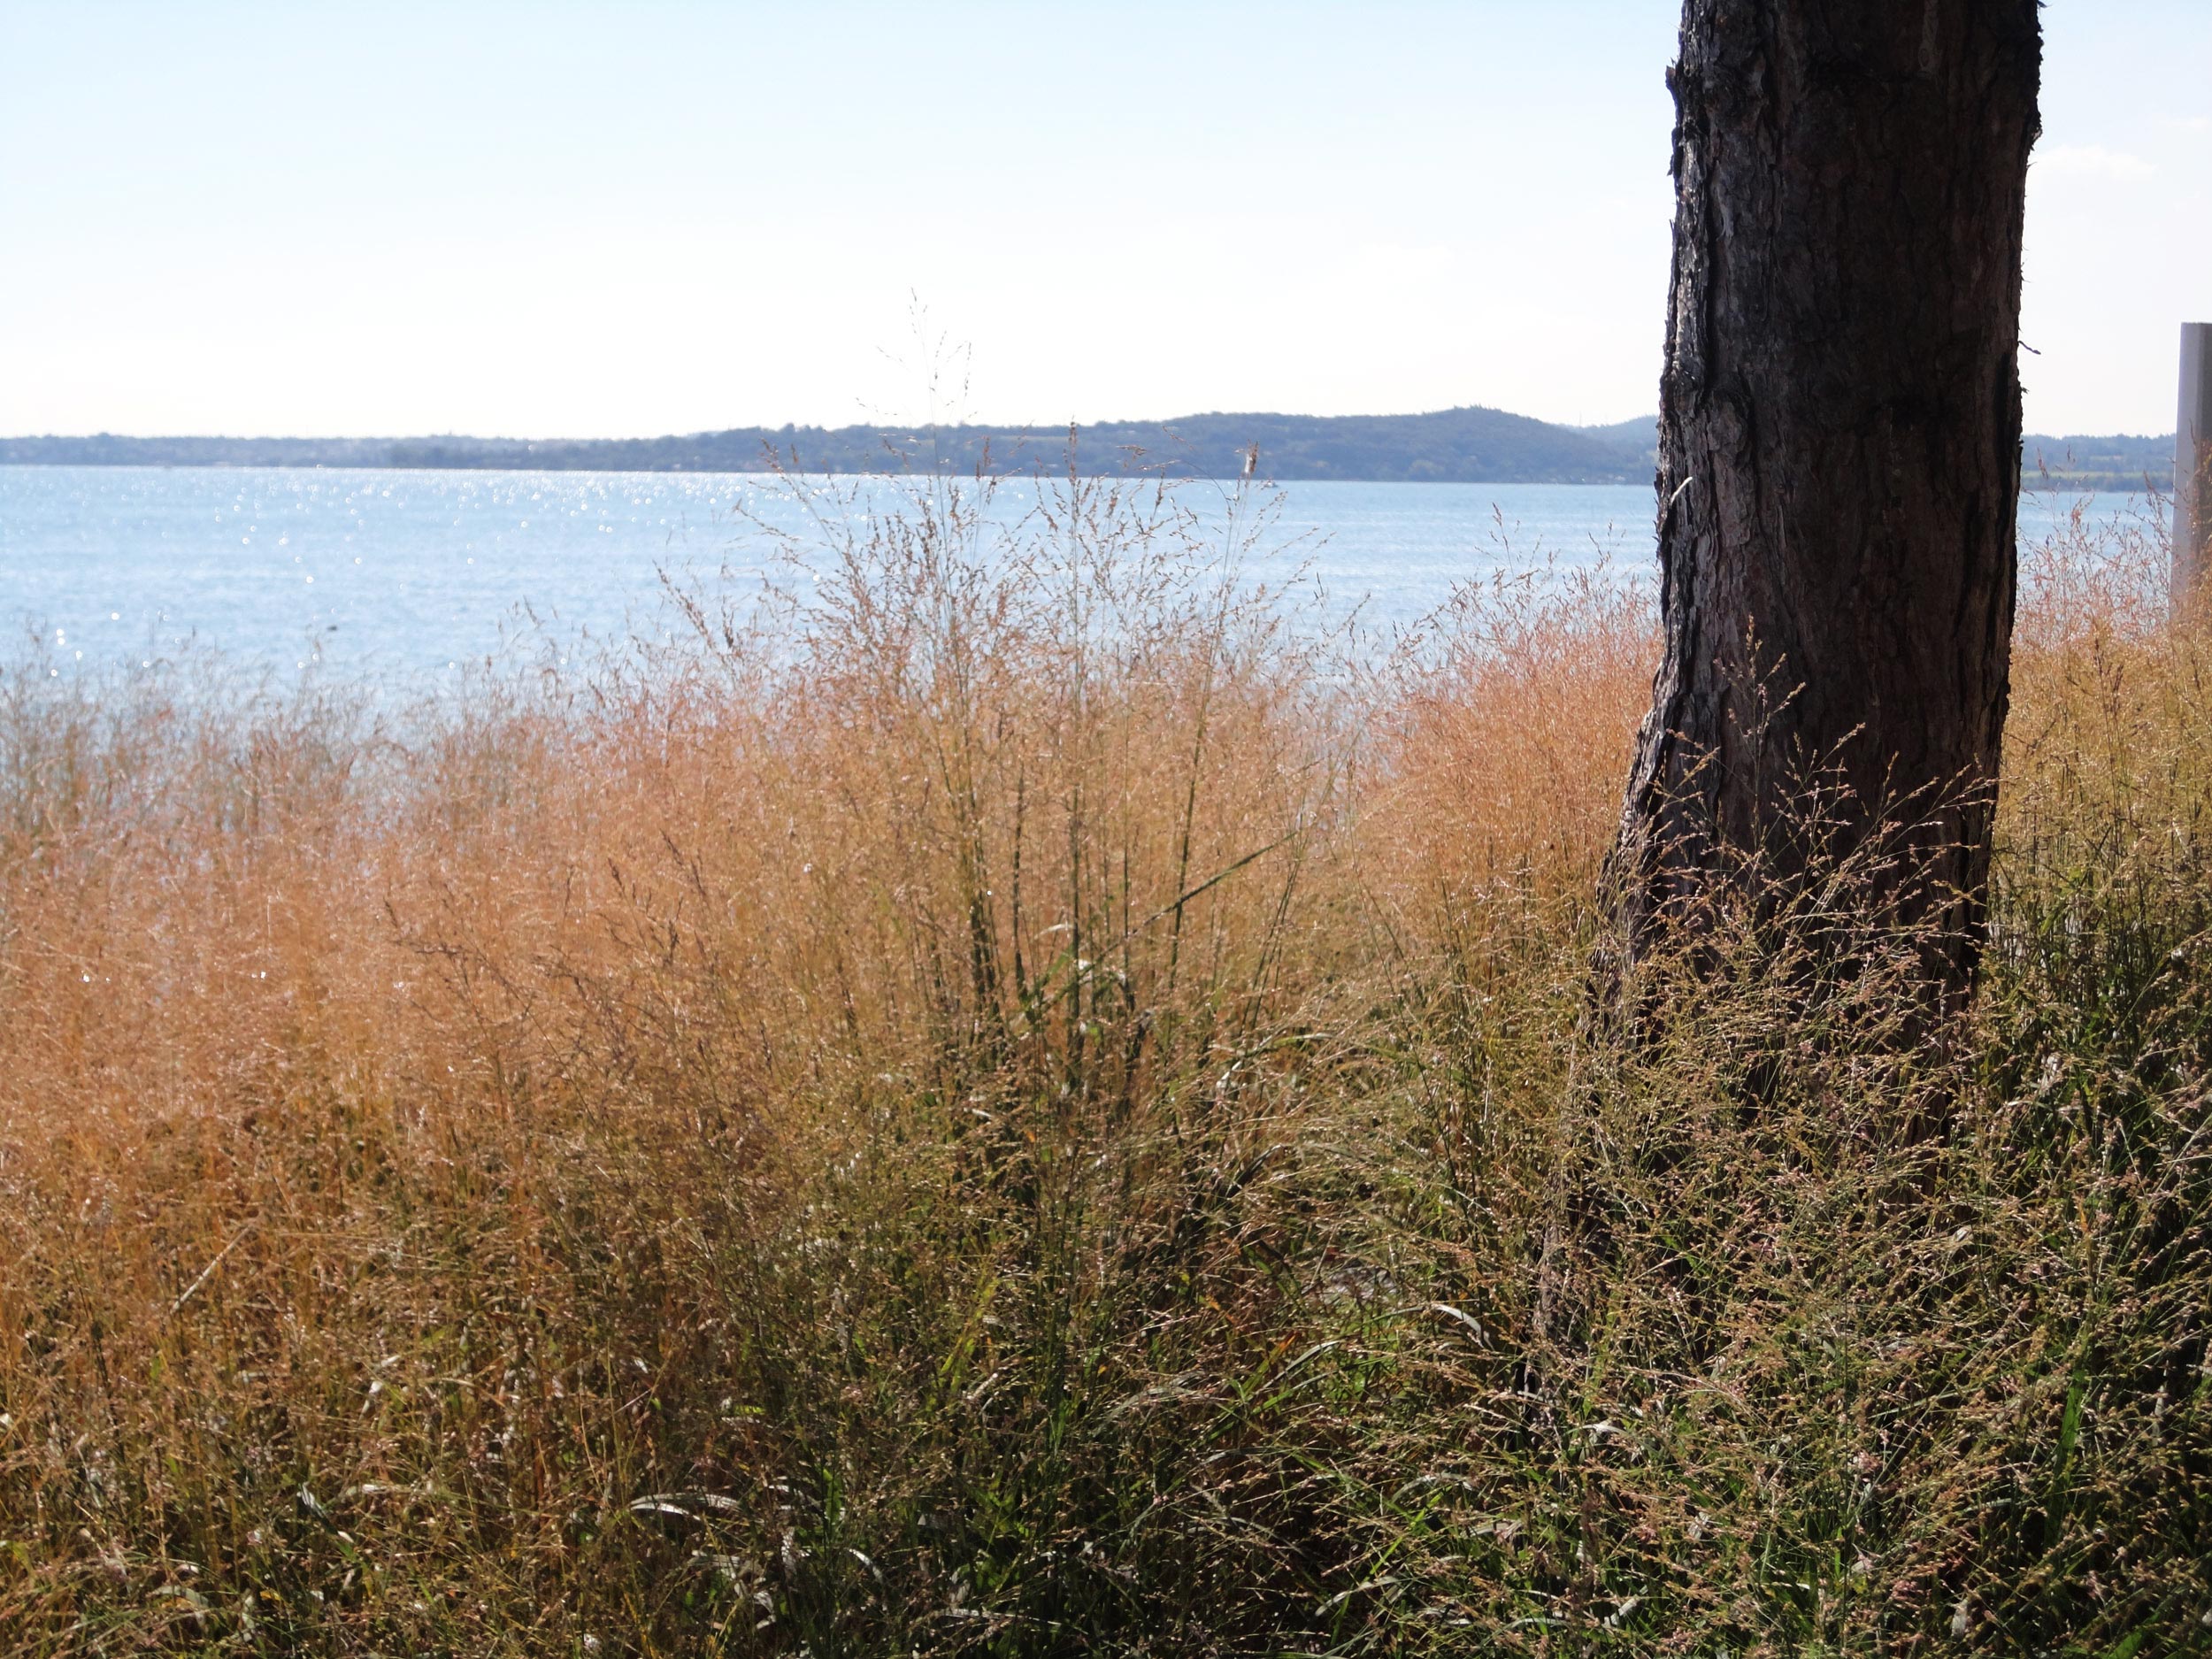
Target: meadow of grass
x: 1036, y: 1104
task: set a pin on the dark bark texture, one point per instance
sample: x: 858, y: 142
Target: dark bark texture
x: 1839, y: 447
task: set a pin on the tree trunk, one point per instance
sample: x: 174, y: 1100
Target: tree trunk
x: 1839, y: 451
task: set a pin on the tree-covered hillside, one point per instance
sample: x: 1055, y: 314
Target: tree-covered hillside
x: 1465, y: 445
x: 1470, y: 445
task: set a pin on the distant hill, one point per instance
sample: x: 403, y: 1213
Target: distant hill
x: 1640, y: 435
x: 1471, y: 445
x: 106, y: 450
x: 2119, y: 463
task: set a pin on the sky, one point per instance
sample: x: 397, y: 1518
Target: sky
x: 650, y: 216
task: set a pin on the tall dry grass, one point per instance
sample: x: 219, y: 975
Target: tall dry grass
x: 1033, y: 1103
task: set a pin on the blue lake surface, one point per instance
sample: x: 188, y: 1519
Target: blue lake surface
x: 412, y: 575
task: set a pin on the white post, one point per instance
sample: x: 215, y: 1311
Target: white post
x: 2192, y: 464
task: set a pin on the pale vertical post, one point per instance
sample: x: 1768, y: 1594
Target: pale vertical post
x: 2192, y: 464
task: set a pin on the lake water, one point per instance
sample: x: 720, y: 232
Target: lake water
x: 410, y: 575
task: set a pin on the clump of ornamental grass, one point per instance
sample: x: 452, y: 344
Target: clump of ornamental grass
x: 1030, y: 1101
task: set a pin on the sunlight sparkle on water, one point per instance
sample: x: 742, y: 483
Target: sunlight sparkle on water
x: 457, y: 560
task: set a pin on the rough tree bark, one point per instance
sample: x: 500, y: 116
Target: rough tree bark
x: 1839, y: 443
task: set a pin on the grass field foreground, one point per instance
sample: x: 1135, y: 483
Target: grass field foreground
x: 1037, y: 1103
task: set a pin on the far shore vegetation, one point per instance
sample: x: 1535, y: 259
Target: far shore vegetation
x: 1470, y: 445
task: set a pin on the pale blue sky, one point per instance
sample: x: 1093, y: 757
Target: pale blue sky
x: 655, y: 216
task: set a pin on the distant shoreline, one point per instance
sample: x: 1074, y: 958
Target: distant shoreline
x: 1461, y: 445
x: 1469, y: 445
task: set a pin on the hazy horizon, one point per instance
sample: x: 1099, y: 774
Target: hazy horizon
x: 569, y: 221
x: 1105, y: 420
x: 863, y: 422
